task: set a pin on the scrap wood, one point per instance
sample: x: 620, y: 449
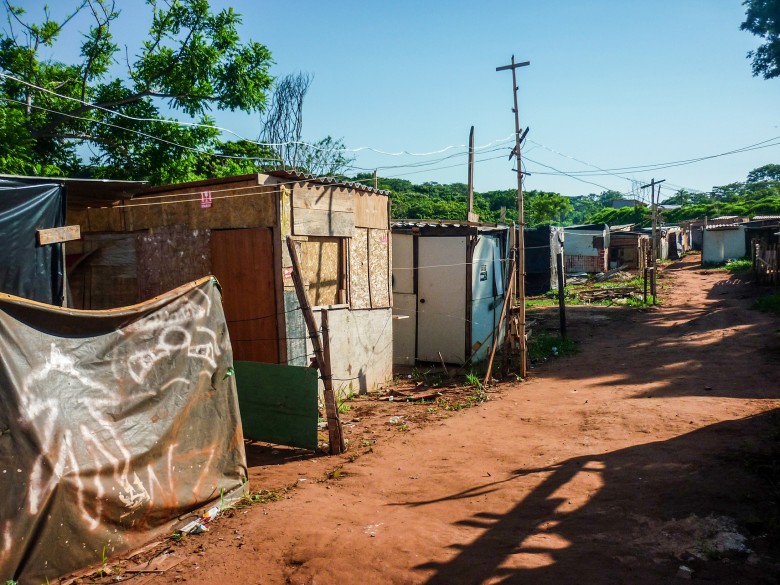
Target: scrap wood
x: 599, y: 294
x: 602, y: 276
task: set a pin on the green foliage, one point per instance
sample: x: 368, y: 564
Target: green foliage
x: 544, y: 345
x: 191, y: 61
x: 763, y: 20
x: 768, y: 303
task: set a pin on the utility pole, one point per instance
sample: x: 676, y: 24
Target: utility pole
x: 654, y: 252
x: 470, y: 215
x: 520, y: 220
x: 376, y: 180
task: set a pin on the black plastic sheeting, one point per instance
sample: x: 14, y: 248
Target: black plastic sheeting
x: 542, y: 245
x: 28, y: 270
x: 113, y: 424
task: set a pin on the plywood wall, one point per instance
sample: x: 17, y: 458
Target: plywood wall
x: 240, y: 204
x: 171, y: 256
x: 322, y: 211
x: 321, y: 268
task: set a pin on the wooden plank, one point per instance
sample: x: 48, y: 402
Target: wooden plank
x: 335, y: 436
x: 58, y: 235
x: 278, y: 403
x: 371, y: 211
x: 324, y: 199
x: 315, y: 222
x: 321, y: 269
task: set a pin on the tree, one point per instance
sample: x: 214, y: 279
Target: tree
x: 766, y: 173
x: 763, y: 19
x: 192, y: 61
x: 544, y: 207
x: 283, y: 128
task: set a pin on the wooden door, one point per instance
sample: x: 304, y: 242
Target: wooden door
x: 243, y: 262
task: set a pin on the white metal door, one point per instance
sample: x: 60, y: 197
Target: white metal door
x: 441, y: 299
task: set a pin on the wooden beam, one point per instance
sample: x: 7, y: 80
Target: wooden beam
x: 58, y: 235
x: 507, y: 297
x: 322, y: 357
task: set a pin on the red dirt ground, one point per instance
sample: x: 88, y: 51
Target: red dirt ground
x: 614, y: 465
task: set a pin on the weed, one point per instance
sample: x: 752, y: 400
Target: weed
x: 768, y: 303
x: 104, y: 561
x: 342, y: 405
x: 177, y: 536
x: 403, y: 428
x: 473, y: 380
x: 432, y: 409
x: 336, y: 473
x: 735, y: 266
x: 544, y: 345
x: 366, y: 443
x: 352, y: 457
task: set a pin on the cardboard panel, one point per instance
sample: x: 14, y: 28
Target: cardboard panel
x: 278, y: 403
x: 359, y: 293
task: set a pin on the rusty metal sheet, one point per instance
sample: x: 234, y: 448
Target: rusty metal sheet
x: 113, y: 424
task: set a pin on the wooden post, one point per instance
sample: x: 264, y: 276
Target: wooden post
x: 470, y: 215
x: 520, y: 218
x: 561, y: 293
x: 654, y: 209
x: 644, y: 289
x: 507, y: 297
x: 321, y: 354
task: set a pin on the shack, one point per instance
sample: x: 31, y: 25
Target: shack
x: 628, y: 248
x: 723, y: 242
x: 763, y: 234
x: 586, y: 247
x: 236, y: 229
x: 542, y: 246
x: 449, y: 282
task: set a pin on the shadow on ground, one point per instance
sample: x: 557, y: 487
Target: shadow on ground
x: 643, y: 519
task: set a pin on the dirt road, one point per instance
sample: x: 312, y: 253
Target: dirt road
x: 641, y: 454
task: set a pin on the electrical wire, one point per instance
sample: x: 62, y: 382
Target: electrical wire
x: 240, y: 137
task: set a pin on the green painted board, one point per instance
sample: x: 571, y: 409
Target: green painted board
x: 278, y: 403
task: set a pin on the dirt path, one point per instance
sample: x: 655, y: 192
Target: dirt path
x: 616, y: 465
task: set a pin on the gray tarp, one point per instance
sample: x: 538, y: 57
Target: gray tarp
x: 27, y: 269
x: 112, y: 424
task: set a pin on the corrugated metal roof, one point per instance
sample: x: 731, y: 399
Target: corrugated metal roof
x: 447, y: 223
x: 765, y: 217
x: 325, y: 181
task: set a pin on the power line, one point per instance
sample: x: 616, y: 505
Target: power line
x: 240, y: 137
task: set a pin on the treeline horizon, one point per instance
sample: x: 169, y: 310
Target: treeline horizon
x: 759, y: 194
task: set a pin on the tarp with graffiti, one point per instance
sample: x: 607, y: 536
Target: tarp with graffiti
x: 112, y: 424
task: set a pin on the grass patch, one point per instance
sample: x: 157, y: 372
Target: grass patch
x: 545, y: 345
x: 768, y: 303
x: 733, y: 266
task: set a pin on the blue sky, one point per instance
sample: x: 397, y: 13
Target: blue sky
x: 611, y: 83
